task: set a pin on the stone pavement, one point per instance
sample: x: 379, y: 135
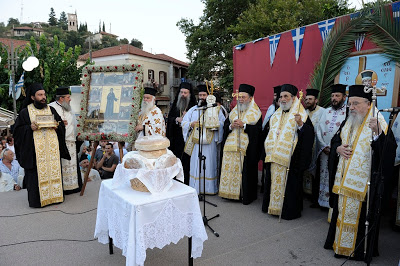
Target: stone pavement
x: 247, y: 236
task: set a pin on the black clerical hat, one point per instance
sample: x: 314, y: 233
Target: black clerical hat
x: 202, y: 88
x: 151, y: 91
x: 247, y: 88
x: 185, y: 85
x: 358, y: 91
x: 312, y: 92
x: 338, y: 88
x: 83, y: 157
x: 62, y: 91
x: 289, y: 88
x: 277, y: 89
x: 34, y: 88
x: 366, y: 74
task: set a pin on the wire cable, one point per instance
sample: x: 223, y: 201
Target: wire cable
x: 46, y: 240
x: 24, y: 214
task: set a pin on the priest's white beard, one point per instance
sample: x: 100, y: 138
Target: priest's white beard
x: 66, y: 106
x: 146, y: 107
x: 355, y: 119
x: 286, y: 106
x: 182, y: 103
x: 243, y: 106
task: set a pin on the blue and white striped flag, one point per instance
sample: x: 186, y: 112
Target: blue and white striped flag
x: 359, y: 42
x: 297, y: 36
x: 396, y: 11
x: 19, y: 86
x: 325, y: 27
x: 273, y: 46
x: 355, y: 15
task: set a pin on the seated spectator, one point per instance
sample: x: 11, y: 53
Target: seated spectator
x: 4, y: 142
x: 84, y: 164
x: 10, y: 166
x: 84, y: 150
x: 108, y: 162
x: 124, y: 151
x: 7, y: 183
x: 10, y: 145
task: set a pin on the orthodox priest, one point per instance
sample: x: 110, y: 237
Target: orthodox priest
x: 71, y: 174
x: 151, y: 120
x: 351, y: 167
x: 288, y: 146
x: 331, y: 120
x: 241, y: 152
x: 273, y: 107
x: 182, y: 103
x: 203, y: 125
x: 39, y: 149
x: 311, y: 178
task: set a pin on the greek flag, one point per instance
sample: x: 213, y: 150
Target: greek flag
x: 19, y: 86
x: 396, y: 11
x: 259, y: 39
x: 325, y: 27
x: 359, y: 42
x: 297, y: 36
x: 240, y: 46
x: 273, y: 46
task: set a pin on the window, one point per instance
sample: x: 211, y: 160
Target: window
x: 151, y: 75
x: 163, y: 78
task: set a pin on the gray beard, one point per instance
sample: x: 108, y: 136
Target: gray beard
x: 355, y: 120
x: 66, y: 106
x: 146, y: 107
x: 182, y: 103
x: 286, y: 107
x: 242, y: 107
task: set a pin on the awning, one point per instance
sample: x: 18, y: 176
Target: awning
x: 6, y: 118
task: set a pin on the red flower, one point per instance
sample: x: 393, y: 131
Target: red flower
x: 87, y: 137
x: 123, y: 67
x: 83, y: 85
x: 82, y: 93
x: 116, y: 67
x: 138, y: 65
x: 78, y: 125
x: 108, y: 67
x: 79, y: 134
x: 133, y: 105
x: 85, y: 75
x: 133, y: 98
x: 133, y: 65
x: 136, y: 78
x: 80, y: 116
x: 101, y: 68
x: 86, y: 67
x: 82, y: 109
x: 93, y: 68
x: 134, y: 88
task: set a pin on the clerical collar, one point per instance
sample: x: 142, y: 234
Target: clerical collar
x: 59, y: 104
x: 285, y: 111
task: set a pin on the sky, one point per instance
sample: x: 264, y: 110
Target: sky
x: 153, y: 22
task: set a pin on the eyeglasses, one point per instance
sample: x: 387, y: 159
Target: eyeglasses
x: 355, y: 104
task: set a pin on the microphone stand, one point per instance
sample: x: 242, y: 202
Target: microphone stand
x: 202, y: 162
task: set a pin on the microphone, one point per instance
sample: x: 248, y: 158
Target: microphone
x: 392, y: 109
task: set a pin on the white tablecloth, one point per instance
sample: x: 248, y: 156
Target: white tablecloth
x: 139, y: 220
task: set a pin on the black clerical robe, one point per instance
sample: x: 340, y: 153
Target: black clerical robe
x: 384, y: 152
x: 250, y: 162
x: 175, y: 136
x: 300, y: 161
x: 26, y: 155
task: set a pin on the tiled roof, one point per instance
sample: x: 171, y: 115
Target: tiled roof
x: 16, y: 43
x: 27, y: 28
x: 173, y: 60
x: 109, y: 34
x: 129, y: 49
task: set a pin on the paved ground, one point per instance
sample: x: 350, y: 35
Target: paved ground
x: 247, y: 236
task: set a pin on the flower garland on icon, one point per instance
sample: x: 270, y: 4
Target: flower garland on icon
x: 86, y: 78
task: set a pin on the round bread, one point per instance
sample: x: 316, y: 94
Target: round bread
x: 153, y: 154
x: 165, y: 161
x: 151, y: 143
x: 134, y: 163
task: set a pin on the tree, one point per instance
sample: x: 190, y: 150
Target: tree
x: 108, y: 41
x: 104, y: 27
x: 136, y: 43
x: 57, y: 67
x: 209, y: 43
x: 52, y: 18
x: 12, y: 22
x: 124, y: 41
x: 63, y: 21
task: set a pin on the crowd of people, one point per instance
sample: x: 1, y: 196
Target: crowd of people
x: 339, y: 156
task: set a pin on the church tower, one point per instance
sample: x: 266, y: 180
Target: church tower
x: 72, y: 22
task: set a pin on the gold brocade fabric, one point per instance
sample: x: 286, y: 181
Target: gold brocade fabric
x: 194, y: 137
x: 153, y: 122
x: 351, y: 180
x: 70, y: 168
x: 47, y: 160
x: 280, y: 143
x: 233, y: 154
x: 278, y: 180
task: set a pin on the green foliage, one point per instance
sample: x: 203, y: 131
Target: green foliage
x: 136, y: 43
x: 104, y: 27
x: 13, y: 21
x: 63, y: 21
x: 225, y: 24
x: 379, y: 27
x: 57, y: 67
x: 124, y: 41
x: 52, y: 17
